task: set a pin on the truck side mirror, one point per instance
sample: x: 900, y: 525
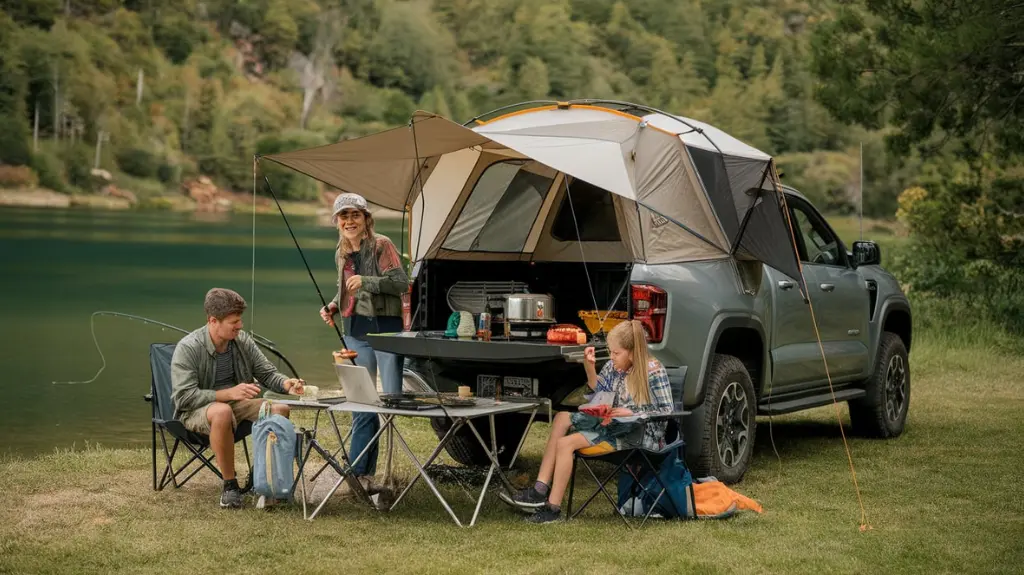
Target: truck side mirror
x: 866, y: 253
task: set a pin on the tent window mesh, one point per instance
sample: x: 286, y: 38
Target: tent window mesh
x: 595, y: 215
x: 500, y: 210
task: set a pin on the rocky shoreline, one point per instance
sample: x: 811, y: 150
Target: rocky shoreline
x: 199, y: 195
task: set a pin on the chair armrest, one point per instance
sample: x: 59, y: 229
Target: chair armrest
x: 667, y: 416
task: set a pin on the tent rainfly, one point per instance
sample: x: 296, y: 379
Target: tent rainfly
x: 682, y: 190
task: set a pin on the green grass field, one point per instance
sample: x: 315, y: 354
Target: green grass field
x: 942, y: 498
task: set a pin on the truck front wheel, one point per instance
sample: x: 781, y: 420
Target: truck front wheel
x: 883, y: 411
x: 464, y: 447
x: 730, y: 410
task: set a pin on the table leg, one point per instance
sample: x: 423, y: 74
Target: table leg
x: 456, y: 425
x: 491, y: 454
x: 426, y: 478
x: 344, y: 474
x: 522, y: 440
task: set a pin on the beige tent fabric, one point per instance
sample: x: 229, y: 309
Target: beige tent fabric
x: 441, y: 191
x: 666, y: 182
x: 652, y: 239
x: 382, y: 166
x: 591, y: 145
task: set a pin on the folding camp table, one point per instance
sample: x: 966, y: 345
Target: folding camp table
x: 460, y: 416
x: 311, y: 444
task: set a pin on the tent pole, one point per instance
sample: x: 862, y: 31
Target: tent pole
x: 750, y: 211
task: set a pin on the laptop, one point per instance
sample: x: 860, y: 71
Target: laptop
x: 359, y: 388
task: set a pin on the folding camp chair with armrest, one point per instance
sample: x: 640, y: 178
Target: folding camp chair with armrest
x: 197, y: 444
x: 639, y: 461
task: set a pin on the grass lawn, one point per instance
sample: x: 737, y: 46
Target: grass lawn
x: 945, y: 497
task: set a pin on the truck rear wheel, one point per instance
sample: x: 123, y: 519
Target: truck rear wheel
x: 883, y: 411
x: 730, y: 410
x: 464, y: 447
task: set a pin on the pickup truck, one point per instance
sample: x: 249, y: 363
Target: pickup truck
x: 737, y: 335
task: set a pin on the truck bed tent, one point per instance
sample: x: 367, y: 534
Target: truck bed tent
x: 681, y: 190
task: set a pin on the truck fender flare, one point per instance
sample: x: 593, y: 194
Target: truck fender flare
x: 891, y: 304
x: 719, y: 324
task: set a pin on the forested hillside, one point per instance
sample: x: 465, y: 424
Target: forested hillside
x: 173, y: 89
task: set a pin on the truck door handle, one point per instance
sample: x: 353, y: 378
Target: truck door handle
x: 785, y: 284
x: 827, y: 287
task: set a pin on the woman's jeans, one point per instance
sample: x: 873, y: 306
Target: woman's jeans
x: 365, y: 425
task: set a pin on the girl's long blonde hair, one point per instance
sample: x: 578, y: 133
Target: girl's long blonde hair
x: 630, y: 335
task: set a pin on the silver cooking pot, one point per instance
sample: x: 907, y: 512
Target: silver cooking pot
x: 529, y: 307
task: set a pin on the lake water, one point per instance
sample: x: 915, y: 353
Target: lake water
x: 59, y: 266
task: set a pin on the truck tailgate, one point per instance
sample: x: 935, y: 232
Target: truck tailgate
x: 433, y: 345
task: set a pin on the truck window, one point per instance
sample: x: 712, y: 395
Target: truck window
x: 595, y: 215
x: 819, y: 244
x: 501, y: 209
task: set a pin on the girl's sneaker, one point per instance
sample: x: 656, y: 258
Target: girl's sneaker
x: 546, y: 514
x: 528, y: 498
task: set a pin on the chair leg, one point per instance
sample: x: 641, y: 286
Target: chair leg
x: 572, y: 487
x: 153, y: 445
x: 169, y: 469
x: 248, y: 464
x: 601, y: 489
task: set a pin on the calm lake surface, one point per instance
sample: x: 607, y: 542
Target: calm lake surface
x: 57, y: 267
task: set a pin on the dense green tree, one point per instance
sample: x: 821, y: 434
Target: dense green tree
x: 14, y: 132
x: 39, y: 13
x: 935, y: 67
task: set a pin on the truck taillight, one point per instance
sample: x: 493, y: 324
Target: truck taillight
x: 407, y: 309
x: 650, y: 305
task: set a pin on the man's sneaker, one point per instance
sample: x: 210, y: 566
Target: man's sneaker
x: 545, y: 514
x: 231, y: 497
x: 528, y: 498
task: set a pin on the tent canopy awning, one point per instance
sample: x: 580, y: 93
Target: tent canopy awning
x: 720, y: 192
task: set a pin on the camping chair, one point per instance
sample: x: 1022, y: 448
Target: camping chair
x: 163, y: 420
x: 639, y: 462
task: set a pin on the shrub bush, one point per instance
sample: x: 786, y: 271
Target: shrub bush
x: 50, y: 170
x: 138, y: 162
x: 169, y: 173
x: 17, y: 177
x: 78, y: 166
x: 967, y: 245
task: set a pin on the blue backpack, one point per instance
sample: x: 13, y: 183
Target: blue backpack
x: 274, y: 451
x: 677, y: 500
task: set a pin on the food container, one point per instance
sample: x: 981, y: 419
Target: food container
x: 529, y: 308
x: 593, y: 319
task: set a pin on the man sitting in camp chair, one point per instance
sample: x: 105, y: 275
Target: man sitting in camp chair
x: 216, y: 374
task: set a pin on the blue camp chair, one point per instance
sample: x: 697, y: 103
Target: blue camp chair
x: 638, y: 466
x: 198, y: 444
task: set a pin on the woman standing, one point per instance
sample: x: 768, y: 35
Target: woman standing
x: 371, y: 281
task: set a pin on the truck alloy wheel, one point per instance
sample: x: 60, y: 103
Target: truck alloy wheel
x: 732, y: 424
x: 729, y: 424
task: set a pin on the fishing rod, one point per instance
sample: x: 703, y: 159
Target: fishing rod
x: 259, y: 339
x: 301, y: 253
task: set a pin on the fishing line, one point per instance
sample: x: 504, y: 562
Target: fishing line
x: 96, y: 342
x: 252, y: 295
x: 259, y: 339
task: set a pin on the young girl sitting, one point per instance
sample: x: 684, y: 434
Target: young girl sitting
x: 634, y: 391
